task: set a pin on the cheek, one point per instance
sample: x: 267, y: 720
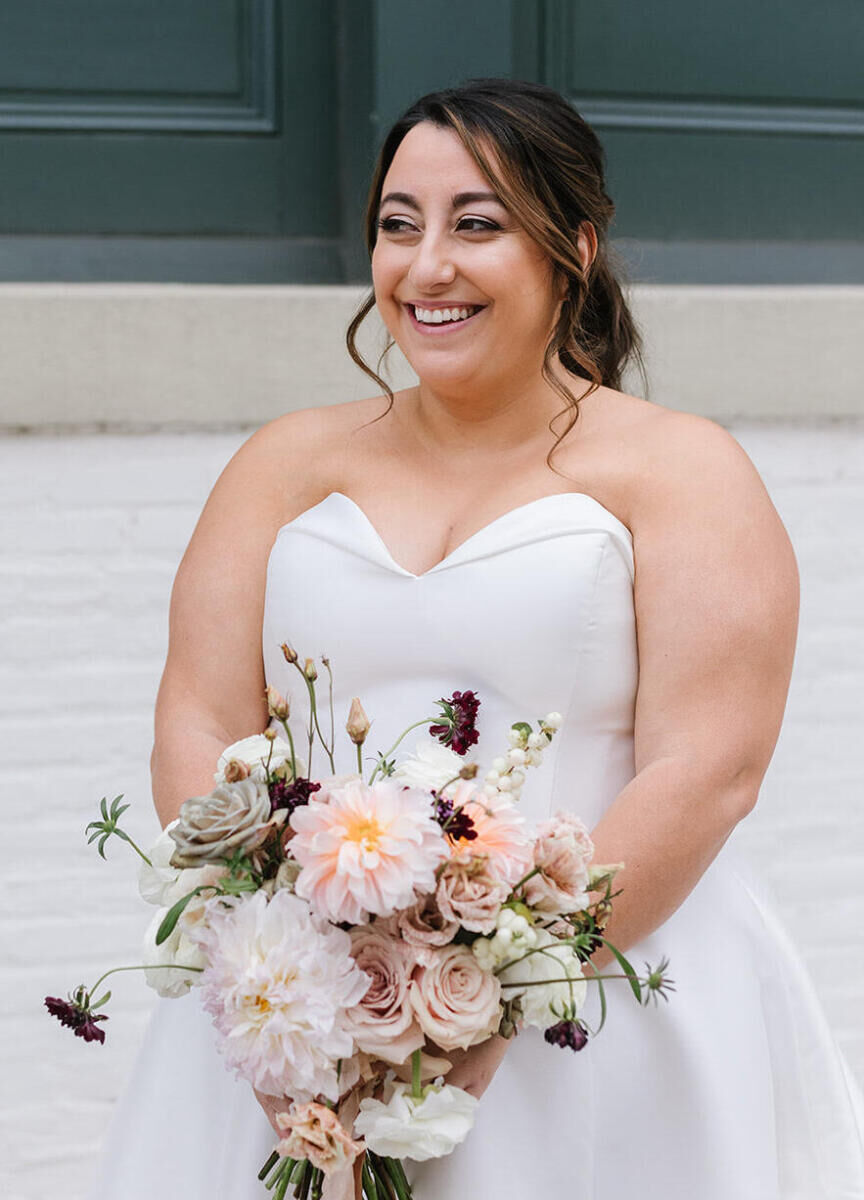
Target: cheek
x: 386, y: 272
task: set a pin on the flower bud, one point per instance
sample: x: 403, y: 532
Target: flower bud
x: 602, y: 913
x: 290, y: 655
x: 277, y: 705
x: 310, y: 670
x: 469, y: 771
x: 357, y: 724
x: 270, y: 735
x: 236, y: 770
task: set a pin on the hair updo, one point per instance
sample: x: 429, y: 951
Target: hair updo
x: 550, y: 174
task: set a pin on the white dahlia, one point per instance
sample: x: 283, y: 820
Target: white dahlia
x: 277, y: 984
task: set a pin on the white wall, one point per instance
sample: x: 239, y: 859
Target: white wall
x: 92, y: 530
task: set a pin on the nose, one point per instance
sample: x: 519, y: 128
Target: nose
x: 432, y: 263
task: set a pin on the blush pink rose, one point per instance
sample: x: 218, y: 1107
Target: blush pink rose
x: 470, y: 892
x: 562, y: 851
x: 423, y: 927
x: 457, y: 1003
x: 314, y: 1132
x: 383, y: 1023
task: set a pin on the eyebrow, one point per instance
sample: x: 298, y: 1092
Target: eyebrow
x: 460, y: 199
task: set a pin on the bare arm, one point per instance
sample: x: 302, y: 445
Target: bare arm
x: 212, y: 687
x: 716, y: 600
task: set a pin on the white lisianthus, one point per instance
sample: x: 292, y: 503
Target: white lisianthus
x: 163, y: 885
x: 254, y: 752
x: 545, y: 1003
x: 430, y: 766
x: 178, y: 951
x: 405, y: 1127
x: 277, y: 985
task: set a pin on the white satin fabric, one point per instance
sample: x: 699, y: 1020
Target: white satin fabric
x: 733, y: 1090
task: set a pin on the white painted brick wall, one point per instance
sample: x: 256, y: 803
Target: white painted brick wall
x: 92, y: 531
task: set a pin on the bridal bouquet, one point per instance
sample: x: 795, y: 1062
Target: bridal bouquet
x: 347, y: 933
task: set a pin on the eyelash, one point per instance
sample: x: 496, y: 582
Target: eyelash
x: 392, y: 225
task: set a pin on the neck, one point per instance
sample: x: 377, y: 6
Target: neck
x: 505, y: 416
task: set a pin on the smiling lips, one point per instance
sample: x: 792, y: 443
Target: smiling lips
x: 443, y: 317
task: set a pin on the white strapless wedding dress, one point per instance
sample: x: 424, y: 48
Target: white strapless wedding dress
x: 733, y: 1090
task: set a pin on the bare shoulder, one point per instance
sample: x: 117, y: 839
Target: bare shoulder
x: 705, y: 526
x: 683, y: 463
x: 292, y: 462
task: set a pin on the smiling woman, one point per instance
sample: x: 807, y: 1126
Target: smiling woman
x: 647, y: 594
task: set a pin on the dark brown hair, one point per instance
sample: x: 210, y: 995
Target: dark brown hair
x: 550, y: 175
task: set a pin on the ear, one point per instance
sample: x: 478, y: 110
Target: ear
x: 586, y: 240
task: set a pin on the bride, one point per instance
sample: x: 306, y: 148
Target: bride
x: 518, y: 524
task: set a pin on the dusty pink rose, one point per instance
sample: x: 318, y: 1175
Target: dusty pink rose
x: 383, y: 1023
x: 423, y: 927
x: 456, y: 1001
x: 502, y: 831
x: 470, y: 892
x: 562, y: 850
x: 314, y: 1132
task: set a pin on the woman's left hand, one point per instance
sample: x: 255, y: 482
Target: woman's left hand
x: 474, y: 1068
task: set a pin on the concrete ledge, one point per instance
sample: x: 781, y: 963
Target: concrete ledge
x: 128, y: 357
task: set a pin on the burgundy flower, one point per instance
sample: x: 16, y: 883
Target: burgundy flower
x: 77, y: 1017
x: 567, y: 1034
x: 457, y: 728
x: 291, y: 794
x: 457, y: 824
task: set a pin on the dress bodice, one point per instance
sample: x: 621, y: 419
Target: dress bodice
x: 534, y: 612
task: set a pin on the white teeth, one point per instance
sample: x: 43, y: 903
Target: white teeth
x: 437, y: 316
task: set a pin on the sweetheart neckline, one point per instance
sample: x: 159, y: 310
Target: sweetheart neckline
x: 446, y: 560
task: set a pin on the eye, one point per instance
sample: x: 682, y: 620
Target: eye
x: 395, y: 225
x: 465, y: 225
x: 481, y: 225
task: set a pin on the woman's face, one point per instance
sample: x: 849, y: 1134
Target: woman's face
x: 447, y: 248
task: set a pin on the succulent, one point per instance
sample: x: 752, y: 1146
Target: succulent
x: 233, y: 817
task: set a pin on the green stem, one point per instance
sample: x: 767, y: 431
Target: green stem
x: 282, y: 1171
x: 270, y: 1163
x: 328, y: 749
x: 144, y: 967
x: 311, y: 693
x: 404, y: 733
x: 575, y: 979
x: 382, y: 1179
x: 359, y: 750
x: 370, y: 1188
x: 140, y: 851
x: 524, y: 880
x: 332, y: 715
x: 283, y: 1182
x: 416, y: 1088
x: 305, y: 1182
x: 396, y: 1177
x: 290, y: 737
